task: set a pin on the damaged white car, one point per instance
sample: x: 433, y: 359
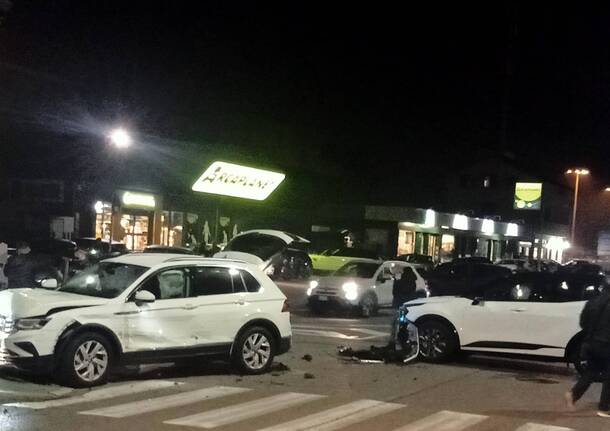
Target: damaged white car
x: 145, y: 308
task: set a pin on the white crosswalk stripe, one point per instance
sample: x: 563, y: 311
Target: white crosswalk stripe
x: 338, y: 417
x: 166, y: 402
x: 99, y: 394
x: 240, y: 412
x: 444, y: 421
x: 540, y: 427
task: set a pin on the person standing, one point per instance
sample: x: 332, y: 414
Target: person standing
x: 595, y: 352
x: 21, y: 269
x: 404, y: 287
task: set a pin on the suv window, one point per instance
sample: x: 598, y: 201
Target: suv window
x: 168, y: 284
x: 252, y: 285
x: 212, y: 281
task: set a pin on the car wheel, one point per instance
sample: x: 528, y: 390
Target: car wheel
x: 437, y: 342
x: 253, y: 350
x: 368, y: 305
x: 86, y: 360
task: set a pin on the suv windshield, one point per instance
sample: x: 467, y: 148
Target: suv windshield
x: 262, y: 246
x: 104, y: 280
x: 357, y: 269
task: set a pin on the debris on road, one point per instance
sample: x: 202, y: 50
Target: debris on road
x: 309, y: 376
x: 280, y: 366
x: 307, y: 357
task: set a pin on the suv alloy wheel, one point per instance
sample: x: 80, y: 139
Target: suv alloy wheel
x: 254, y: 350
x: 86, y: 361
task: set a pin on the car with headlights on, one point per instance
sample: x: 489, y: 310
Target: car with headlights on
x: 145, y: 308
x: 364, y: 285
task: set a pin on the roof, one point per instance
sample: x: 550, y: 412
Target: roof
x: 152, y: 259
x: 284, y: 236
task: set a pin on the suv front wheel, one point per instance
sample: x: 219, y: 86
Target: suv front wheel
x: 254, y: 350
x: 86, y: 360
x: 437, y: 341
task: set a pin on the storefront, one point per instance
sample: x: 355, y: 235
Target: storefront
x: 138, y: 219
x: 447, y: 236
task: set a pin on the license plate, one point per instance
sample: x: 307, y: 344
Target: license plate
x: 322, y: 298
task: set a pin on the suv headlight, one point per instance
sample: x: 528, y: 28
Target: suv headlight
x: 31, y: 323
x: 351, y: 290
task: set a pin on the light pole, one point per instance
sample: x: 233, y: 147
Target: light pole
x: 577, y: 172
x: 121, y: 139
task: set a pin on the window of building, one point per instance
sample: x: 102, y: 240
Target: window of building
x: 134, y: 229
x: 447, y: 247
x: 406, y: 242
x: 103, y: 220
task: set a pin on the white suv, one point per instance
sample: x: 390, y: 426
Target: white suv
x: 145, y: 308
x: 533, y: 314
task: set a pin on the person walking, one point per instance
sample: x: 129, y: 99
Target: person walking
x: 21, y: 269
x: 595, y: 352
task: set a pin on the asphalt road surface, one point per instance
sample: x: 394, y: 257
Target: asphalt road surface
x: 323, y: 393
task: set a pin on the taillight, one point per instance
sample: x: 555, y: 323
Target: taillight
x: 285, y: 307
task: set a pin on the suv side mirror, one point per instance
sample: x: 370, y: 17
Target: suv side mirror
x: 144, y: 297
x: 478, y: 300
x: 49, y: 283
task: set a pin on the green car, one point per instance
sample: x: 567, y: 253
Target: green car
x: 332, y: 259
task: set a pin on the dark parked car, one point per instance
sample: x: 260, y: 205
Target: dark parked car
x: 99, y: 249
x: 423, y: 261
x: 462, y: 276
x: 279, y: 254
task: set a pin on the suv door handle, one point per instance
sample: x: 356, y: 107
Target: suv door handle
x: 239, y: 302
x: 519, y: 310
x: 189, y: 307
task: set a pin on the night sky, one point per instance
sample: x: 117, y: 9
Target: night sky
x: 371, y: 95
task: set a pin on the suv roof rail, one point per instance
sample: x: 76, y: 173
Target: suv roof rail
x: 208, y: 259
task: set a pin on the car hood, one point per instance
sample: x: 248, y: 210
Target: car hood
x: 18, y: 303
x: 435, y: 300
x: 339, y: 281
x: 238, y: 255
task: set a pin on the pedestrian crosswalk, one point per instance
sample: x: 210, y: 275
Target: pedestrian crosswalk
x: 323, y: 412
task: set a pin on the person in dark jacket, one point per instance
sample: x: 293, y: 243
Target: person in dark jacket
x: 21, y: 269
x: 595, y: 352
x: 404, y: 286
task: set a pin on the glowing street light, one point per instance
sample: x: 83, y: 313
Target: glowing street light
x: 577, y: 172
x: 120, y: 138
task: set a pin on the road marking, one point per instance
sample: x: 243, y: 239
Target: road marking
x: 539, y: 427
x: 338, y: 417
x: 166, y: 402
x: 444, y: 421
x: 240, y: 412
x: 99, y: 394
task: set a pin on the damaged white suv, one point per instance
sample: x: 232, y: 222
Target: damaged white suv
x: 145, y: 308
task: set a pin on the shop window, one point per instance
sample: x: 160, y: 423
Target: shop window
x: 447, y: 247
x: 134, y: 231
x: 103, y: 220
x: 406, y: 242
x: 176, y: 229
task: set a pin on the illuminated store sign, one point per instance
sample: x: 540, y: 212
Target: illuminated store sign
x: 131, y: 199
x: 228, y: 179
x: 528, y: 196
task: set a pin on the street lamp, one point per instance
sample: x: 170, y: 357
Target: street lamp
x: 120, y: 138
x: 577, y: 172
